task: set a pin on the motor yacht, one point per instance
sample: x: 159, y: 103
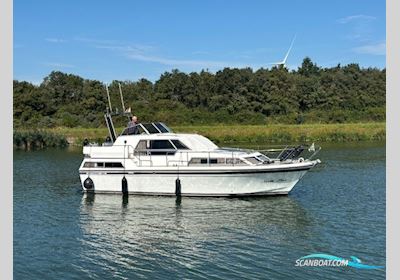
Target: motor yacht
x: 150, y: 159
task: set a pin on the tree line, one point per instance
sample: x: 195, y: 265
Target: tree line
x: 309, y: 94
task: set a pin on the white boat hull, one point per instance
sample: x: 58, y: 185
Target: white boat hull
x: 245, y: 183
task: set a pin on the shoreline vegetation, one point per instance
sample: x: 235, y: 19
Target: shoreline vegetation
x: 310, y: 94
x: 220, y: 134
x: 38, y: 139
x: 232, y: 105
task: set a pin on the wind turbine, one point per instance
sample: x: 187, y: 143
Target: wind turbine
x: 283, y: 62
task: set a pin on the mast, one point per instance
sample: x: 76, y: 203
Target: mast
x: 109, y: 113
x: 124, y: 111
x: 108, y: 118
x: 109, y: 100
x: 122, y: 98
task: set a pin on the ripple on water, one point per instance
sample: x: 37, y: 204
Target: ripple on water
x: 338, y: 208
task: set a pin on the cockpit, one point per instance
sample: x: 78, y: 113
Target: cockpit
x: 147, y: 128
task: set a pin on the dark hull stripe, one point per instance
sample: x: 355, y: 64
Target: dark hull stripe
x: 197, y: 172
x: 194, y: 194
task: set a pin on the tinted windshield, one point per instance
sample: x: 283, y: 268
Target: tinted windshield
x: 151, y: 128
x: 161, y: 127
x: 137, y: 129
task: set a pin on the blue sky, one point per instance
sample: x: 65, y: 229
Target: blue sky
x: 128, y: 40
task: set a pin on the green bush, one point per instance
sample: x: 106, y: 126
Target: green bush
x: 34, y: 139
x: 310, y: 94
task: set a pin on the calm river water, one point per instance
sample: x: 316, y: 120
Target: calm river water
x: 338, y: 208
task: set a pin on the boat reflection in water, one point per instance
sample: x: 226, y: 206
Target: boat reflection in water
x: 150, y: 233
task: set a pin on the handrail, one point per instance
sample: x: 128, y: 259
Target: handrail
x: 185, y: 156
x: 313, y: 150
x: 139, y: 153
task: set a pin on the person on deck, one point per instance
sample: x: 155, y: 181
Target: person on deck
x: 132, y: 123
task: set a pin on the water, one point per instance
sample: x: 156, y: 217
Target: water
x: 338, y: 208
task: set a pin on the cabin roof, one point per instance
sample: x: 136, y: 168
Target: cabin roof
x: 192, y: 141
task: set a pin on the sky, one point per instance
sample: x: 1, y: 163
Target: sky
x: 130, y: 40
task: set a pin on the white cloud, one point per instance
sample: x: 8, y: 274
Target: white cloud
x: 361, y: 27
x: 355, y: 18
x: 55, y: 40
x: 127, y: 48
x: 183, y: 62
x: 374, y: 49
x: 114, y: 45
x: 147, y: 53
x: 95, y: 41
x: 58, y: 65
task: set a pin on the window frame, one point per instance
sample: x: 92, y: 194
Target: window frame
x: 91, y: 164
x: 151, y: 151
x: 180, y: 143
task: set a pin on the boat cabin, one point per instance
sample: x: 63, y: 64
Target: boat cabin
x: 155, y: 144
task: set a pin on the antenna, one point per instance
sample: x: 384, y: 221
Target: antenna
x: 122, y: 98
x: 108, y: 96
x: 283, y: 62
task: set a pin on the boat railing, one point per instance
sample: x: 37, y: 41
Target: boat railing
x: 286, y: 152
x: 185, y: 157
x: 162, y: 157
x: 281, y: 152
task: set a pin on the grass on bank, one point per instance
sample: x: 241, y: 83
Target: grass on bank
x: 38, y: 139
x: 374, y: 131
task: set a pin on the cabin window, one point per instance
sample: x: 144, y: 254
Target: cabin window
x: 155, y: 147
x: 89, y: 164
x: 147, y: 128
x: 141, y: 148
x: 165, y: 147
x: 165, y: 126
x: 141, y: 129
x: 234, y: 161
x: 113, y: 164
x: 253, y: 160
x: 224, y: 161
x: 162, y: 128
x: 102, y: 164
x: 198, y: 161
x: 179, y: 145
x: 161, y: 144
x: 221, y: 160
x: 137, y: 129
x: 142, y: 145
x: 264, y: 158
x: 151, y: 128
